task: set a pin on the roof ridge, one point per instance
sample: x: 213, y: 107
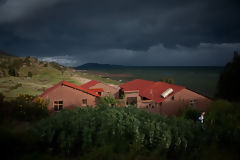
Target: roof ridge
x: 79, y: 88
x: 89, y: 84
x: 63, y: 82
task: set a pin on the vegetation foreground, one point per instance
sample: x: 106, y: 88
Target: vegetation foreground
x: 30, y: 132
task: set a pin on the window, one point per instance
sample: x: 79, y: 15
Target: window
x: 58, y: 105
x: 99, y: 93
x: 84, y: 101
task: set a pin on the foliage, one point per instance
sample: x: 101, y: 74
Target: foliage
x: 228, y: 84
x: 169, y: 80
x: 27, y: 60
x: 12, y: 72
x: 16, y: 86
x: 190, y: 113
x: 25, y: 108
x: 17, y: 63
x: 127, y: 133
x: 29, y: 74
x: 85, y: 128
x: 1, y: 98
x: 106, y: 101
x: 224, y: 120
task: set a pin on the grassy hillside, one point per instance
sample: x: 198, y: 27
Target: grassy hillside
x: 28, y: 75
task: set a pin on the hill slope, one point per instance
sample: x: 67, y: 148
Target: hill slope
x: 28, y: 75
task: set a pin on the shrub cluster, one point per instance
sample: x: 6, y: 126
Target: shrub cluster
x: 81, y: 129
x: 16, y: 86
x: 24, y: 107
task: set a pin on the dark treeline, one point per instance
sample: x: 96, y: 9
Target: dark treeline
x: 228, y: 84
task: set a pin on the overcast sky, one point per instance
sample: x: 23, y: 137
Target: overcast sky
x: 125, y: 32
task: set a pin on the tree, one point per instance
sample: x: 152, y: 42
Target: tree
x: 12, y: 72
x: 161, y: 79
x: 1, y: 98
x: 29, y: 74
x: 107, y: 101
x: 27, y: 60
x: 228, y: 84
x: 169, y: 80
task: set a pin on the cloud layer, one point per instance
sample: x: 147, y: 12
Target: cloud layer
x: 204, y: 53
x: 121, y: 31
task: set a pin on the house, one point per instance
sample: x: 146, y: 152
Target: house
x: 67, y: 95
x: 101, y: 88
x: 161, y: 97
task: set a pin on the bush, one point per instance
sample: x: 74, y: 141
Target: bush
x: 16, y: 86
x: 12, y: 72
x: 23, y: 108
x: 1, y: 98
x: 29, y: 74
x: 224, y: 121
x: 169, y: 80
x: 27, y: 60
x: 190, y: 113
x: 106, y: 101
x: 84, y: 128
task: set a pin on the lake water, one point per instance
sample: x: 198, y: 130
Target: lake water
x: 200, y: 79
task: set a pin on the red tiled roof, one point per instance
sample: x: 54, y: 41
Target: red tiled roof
x: 69, y: 85
x: 158, y: 88
x: 89, y: 84
x: 137, y: 84
x: 96, y: 90
x: 147, y: 87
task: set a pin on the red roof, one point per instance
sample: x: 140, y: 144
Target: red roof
x: 147, y: 87
x: 97, y: 90
x: 69, y: 85
x: 89, y: 84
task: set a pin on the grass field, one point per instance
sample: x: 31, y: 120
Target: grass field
x: 42, y: 78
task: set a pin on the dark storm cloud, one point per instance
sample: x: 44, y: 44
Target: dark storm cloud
x: 100, y: 31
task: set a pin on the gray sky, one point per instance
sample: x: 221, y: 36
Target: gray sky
x: 125, y: 32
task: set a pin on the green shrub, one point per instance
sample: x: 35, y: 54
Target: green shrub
x: 189, y: 113
x: 27, y: 60
x: 16, y: 86
x: 12, y: 72
x: 224, y: 121
x: 84, y: 128
x: 29, y: 74
x: 106, y: 101
x: 24, y: 108
x: 169, y: 80
x: 1, y: 98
